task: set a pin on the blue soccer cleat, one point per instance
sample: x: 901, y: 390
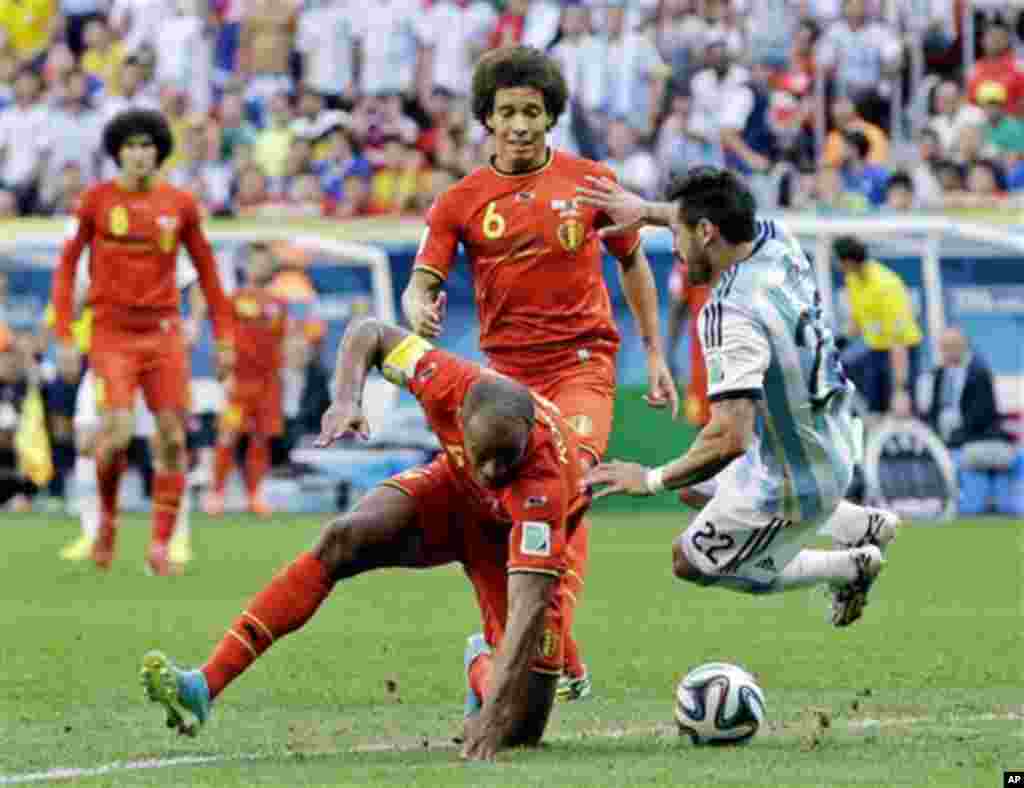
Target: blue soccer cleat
x: 183, y: 693
x: 476, y: 646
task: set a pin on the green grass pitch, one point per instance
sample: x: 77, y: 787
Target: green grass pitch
x: 370, y: 692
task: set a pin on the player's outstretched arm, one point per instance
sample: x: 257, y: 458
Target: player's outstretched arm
x: 516, y: 710
x: 626, y: 210
x: 366, y: 344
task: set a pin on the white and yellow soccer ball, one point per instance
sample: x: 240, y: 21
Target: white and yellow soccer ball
x: 719, y: 703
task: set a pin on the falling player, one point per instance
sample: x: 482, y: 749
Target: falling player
x: 782, y: 441
x: 503, y: 500
x: 133, y: 226
x: 545, y: 315
x: 254, y: 388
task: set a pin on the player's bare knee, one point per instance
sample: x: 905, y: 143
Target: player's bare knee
x: 339, y: 546
x: 681, y: 566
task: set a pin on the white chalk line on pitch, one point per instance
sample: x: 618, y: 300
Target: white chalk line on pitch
x: 76, y: 773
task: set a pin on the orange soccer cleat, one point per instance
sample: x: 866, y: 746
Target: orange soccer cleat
x: 104, y: 547
x: 259, y: 507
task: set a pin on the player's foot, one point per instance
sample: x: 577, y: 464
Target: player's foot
x: 476, y: 646
x: 213, y: 504
x: 573, y: 687
x: 158, y: 561
x: 182, y: 693
x: 103, y: 548
x: 259, y: 507
x: 180, y: 551
x: 881, y: 530
x: 78, y: 550
x: 850, y: 599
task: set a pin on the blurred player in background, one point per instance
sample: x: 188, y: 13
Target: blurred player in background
x: 782, y: 441
x: 133, y: 226
x: 503, y: 499
x: 687, y: 301
x: 253, y: 390
x: 545, y: 314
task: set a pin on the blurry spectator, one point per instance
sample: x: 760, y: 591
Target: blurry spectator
x: 678, y: 149
x: 723, y: 23
x: 680, y: 33
x: 344, y: 175
x: 454, y: 154
x: 634, y: 167
x: 174, y: 106
x: 950, y: 175
x: 709, y: 89
x: 957, y: 398
x: 270, y: 148
x: 832, y: 195
x: 134, y: 89
x: 575, y: 52
x: 882, y: 355
x: 451, y: 36
x: 899, y: 192
x: 378, y: 118
x: 25, y: 130
x: 864, y: 57
x: 952, y: 113
x: 326, y: 39
x: 748, y: 138
x: 998, y: 64
x: 59, y: 395
x: 633, y: 75
x: 139, y: 22
x: 859, y: 176
x: 251, y: 197
x: 799, y: 78
x: 264, y: 55
x: 509, y: 27
x: 400, y: 181
x: 67, y: 189
x: 540, y: 24
x: 77, y: 16
x: 15, y: 490
x: 234, y: 130
x: 199, y: 171
x: 304, y: 197
x: 103, y: 55
x: 387, y: 43
x: 30, y: 25
x: 75, y: 134
x: 1004, y: 133
x: 845, y: 117
x: 8, y: 71
x: 8, y: 204
x: 184, y: 55
x: 306, y: 393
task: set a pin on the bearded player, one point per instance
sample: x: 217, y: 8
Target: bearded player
x: 545, y: 314
x: 503, y: 499
x: 254, y: 388
x: 133, y: 226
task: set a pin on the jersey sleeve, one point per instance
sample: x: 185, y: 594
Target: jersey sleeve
x: 440, y: 238
x: 198, y: 245
x: 736, y: 352
x: 620, y: 246
x: 79, y: 235
x: 537, y: 504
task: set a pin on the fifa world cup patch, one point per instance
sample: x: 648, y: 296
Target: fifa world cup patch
x: 716, y: 370
x: 536, y: 539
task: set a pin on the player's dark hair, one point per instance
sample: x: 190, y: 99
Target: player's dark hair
x: 499, y: 397
x: 134, y: 123
x: 518, y: 67
x: 859, y: 141
x: 718, y: 196
x: 846, y: 247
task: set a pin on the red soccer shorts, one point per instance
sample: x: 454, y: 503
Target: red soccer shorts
x: 456, y: 528
x: 155, y: 361
x: 254, y: 406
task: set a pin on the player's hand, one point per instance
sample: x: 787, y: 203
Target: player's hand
x: 661, y: 385
x: 690, y: 497
x: 626, y: 210
x: 427, y: 317
x: 68, y: 357
x: 477, y: 744
x: 901, y: 406
x: 618, y: 477
x: 342, y: 420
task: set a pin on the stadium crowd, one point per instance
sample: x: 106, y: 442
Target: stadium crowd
x: 324, y: 108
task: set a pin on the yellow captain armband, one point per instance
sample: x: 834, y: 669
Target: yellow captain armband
x: 400, y: 365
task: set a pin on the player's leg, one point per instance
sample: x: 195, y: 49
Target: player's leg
x: 165, y: 386
x: 383, y: 531
x: 268, y: 422
x: 87, y: 426
x: 698, y: 409
x: 228, y: 433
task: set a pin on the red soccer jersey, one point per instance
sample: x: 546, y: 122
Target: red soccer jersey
x: 535, y: 254
x: 260, y: 325
x: 133, y: 239
x: 545, y: 496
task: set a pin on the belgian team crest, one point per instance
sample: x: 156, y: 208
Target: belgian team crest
x: 570, y: 234
x: 118, y: 220
x: 168, y: 233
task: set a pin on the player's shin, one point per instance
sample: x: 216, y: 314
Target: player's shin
x: 86, y: 491
x: 168, y: 489
x: 286, y: 604
x: 811, y: 567
x: 257, y: 463
x: 223, y: 460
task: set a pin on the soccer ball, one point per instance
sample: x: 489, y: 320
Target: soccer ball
x: 719, y: 703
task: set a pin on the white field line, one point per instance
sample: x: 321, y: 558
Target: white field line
x: 77, y: 773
